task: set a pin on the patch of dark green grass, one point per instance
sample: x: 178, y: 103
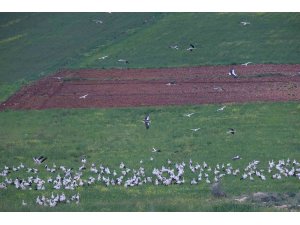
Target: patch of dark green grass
x: 235, y: 207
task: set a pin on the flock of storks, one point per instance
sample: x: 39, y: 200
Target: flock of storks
x: 60, y: 179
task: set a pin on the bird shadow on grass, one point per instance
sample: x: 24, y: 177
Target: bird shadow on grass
x: 217, y: 190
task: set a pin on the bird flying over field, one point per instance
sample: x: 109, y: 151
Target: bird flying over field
x: 191, y: 48
x: 83, y: 96
x: 155, y: 150
x: 246, y: 64
x: 123, y: 60
x: 195, y: 129
x: 222, y: 108
x: 147, y: 121
x: 218, y: 88
x: 171, y: 83
x: 244, y: 23
x: 174, y: 47
x: 98, y: 21
x: 103, y: 57
x: 236, y: 157
x: 39, y: 160
x: 231, y: 131
x: 232, y: 73
x: 188, y: 114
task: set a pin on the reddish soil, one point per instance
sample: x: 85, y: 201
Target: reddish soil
x: 148, y: 87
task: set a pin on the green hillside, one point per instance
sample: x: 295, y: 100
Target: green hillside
x: 218, y: 38
x: 33, y: 45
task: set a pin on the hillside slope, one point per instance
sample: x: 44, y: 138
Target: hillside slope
x: 32, y: 45
x: 219, y: 38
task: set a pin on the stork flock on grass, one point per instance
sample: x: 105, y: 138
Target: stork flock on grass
x: 65, y: 184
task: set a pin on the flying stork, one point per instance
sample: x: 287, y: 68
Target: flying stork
x: 244, y: 23
x: 246, y: 64
x: 39, y: 160
x: 83, y: 96
x: 222, y: 108
x: 147, y: 121
x: 191, y: 48
x: 236, y: 157
x: 232, y: 73
x: 231, y: 131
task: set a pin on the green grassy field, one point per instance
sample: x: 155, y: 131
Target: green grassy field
x: 218, y: 38
x: 265, y: 131
x: 32, y: 45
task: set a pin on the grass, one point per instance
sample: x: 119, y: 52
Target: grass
x: 33, y: 45
x: 265, y: 131
x: 8, y: 89
x: 219, y: 38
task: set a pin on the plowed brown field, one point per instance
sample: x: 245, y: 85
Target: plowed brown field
x: 154, y: 87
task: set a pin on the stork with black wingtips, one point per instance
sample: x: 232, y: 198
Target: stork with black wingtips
x: 232, y: 73
x: 147, y: 121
